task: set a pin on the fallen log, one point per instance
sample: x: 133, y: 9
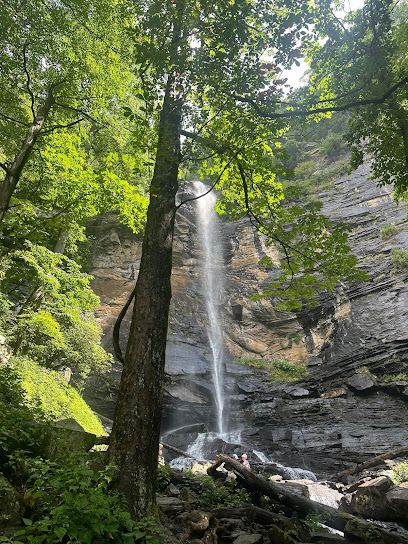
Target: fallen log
x: 297, y: 503
x: 302, y: 506
x: 176, y: 450
x: 370, y: 463
x: 370, y: 532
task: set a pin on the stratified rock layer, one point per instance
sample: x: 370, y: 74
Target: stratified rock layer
x: 335, y: 416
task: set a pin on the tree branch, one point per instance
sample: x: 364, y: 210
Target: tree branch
x: 30, y: 92
x: 77, y: 110
x: 57, y: 127
x: 305, y: 113
x: 14, y: 120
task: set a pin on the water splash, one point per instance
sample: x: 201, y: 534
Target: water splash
x: 289, y: 473
x: 213, y: 289
x: 205, y: 448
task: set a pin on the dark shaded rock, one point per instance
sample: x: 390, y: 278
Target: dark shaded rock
x: 361, y: 382
x: 296, y: 392
x: 12, y: 505
x: 397, y: 498
x: 370, y: 499
x: 62, y: 438
x: 327, y: 538
x: 248, y: 539
x: 171, y: 505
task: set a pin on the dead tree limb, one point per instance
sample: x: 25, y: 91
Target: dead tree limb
x: 300, y: 505
x: 303, y: 506
x: 175, y: 450
x: 370, y: 463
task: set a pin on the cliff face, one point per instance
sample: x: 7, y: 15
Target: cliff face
x: 323, y: 422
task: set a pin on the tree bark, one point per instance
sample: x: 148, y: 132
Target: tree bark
x: 13, y: 174
x: 136, y: 429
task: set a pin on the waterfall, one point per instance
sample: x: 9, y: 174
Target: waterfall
x: 212, y: 266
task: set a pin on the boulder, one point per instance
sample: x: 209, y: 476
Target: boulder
x: 397, y: 498
x: 61, y: 438
x: 12, y: 506
x: 361, y: 382
x: 171, y: 505
x: 370, y: 500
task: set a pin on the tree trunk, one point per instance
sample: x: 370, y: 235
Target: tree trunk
x: 136, y: 429
x: 13, y: 174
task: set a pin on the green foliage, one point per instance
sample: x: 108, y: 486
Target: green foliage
x: 213, y: 494
x: 280, y: 369
x: 399, y: 258
x: 72, y: 503
x: 360, y: 60
x: 46, y: 391
x: 163, y: 477
x: 315, y: 521
x: 55, y: 324
x: 15, y: 415
x: 388, y: 231
x: 399, y: 473
x: 390, y: 378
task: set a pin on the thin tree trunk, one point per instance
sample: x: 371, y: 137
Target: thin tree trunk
x: 136, y: 429
x: 13, y: 174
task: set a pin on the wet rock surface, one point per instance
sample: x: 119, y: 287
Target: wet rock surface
x: 335, y: 417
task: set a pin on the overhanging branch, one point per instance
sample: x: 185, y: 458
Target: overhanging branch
x: 304, y: 113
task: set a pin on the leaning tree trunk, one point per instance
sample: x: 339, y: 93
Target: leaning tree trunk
x: 13, y: 174
x: 136, y: 429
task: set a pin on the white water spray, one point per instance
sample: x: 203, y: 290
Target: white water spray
x: 213, y: 289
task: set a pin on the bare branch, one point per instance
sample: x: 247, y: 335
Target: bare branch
x: 28, y: 82
x: 77, y: 110
x: 14, y: 120
x: 57, y: 127
x: 305, y: 113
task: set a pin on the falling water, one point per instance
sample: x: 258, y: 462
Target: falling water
x: 213, y: 289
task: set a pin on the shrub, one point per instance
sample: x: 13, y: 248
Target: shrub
x: 214, y: 495
x: 72, y: 503
x: 399, y: 473
x: 280, y: 369
x: 333, y: 145
x: 388, y: 231
x: 399, y: 258
x: 389, y: 378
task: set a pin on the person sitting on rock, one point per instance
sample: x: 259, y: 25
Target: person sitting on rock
x: 235, y: 457
x: 245, y: 462
x: 161, y: 458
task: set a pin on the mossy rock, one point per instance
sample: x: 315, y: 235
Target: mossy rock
x: 62, y: 438
x: 12, y: 506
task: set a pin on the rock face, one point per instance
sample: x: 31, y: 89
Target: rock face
x: 336, y: 415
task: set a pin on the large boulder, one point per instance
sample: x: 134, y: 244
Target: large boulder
x: 397, y: 498
x: 12, y: 507
x: 62, y: 438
